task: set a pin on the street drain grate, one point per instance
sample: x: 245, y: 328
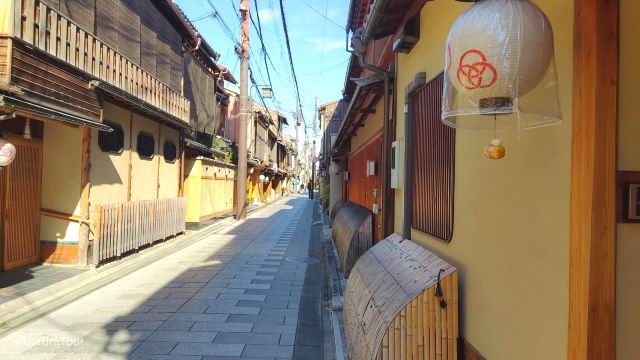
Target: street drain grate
x: 301, y: 260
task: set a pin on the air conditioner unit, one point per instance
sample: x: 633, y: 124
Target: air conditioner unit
x: 408, y: 37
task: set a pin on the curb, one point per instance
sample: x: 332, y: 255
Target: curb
x: 32, y: 306
x: 336, y: 288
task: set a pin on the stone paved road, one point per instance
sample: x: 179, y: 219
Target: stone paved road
x: 235, y: 294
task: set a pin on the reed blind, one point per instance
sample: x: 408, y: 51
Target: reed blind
x: 433, y: 164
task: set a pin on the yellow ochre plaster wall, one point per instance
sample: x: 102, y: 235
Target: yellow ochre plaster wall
x: 628, y: 242
x: 511, y: 226
x: 144, y: 172
x: 61, y: 170
x: 110, y: 172
x: 372, y: 125
x: 169, y: 172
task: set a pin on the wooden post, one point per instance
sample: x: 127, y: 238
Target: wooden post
x: 85, y: 188
x: 130, y: 167
x: 593, y: 181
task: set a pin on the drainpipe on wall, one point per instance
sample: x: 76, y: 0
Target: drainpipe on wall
x: 385, y: 138
x: 418, y: 81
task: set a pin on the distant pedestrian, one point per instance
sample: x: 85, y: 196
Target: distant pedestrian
x: 310, y: 188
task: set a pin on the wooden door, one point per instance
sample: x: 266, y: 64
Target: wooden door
x: 21, y: 182
x: 361, y: 187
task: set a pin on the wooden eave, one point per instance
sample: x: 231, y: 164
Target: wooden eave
x: 358, y: 11
x: 122, y: 97
x: 353, y: 70
x: 365, y: 97
x: 395, y: 15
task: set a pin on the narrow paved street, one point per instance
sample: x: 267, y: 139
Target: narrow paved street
x: 252, y: 290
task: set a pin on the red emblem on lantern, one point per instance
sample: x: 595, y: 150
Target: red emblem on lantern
x: 474, y: 72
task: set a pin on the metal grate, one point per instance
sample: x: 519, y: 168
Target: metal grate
x: 111, y: 142
x: 146, y: 145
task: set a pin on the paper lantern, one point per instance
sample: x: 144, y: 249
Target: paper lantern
x: 499, y: 60
x: 7, y: 152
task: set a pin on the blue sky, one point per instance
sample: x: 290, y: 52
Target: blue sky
x: 317, y: 47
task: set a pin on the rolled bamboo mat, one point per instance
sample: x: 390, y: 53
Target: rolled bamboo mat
x: 391, y: 309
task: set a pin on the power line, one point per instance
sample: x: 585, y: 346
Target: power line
x: 293, y: 70
x: 324, y: 34
x: 264, y: 48
x: 323, y: 15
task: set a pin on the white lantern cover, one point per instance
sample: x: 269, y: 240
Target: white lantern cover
x: 499, y: 61
x: 7, y: 152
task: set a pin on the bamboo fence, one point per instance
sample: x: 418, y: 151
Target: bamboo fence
x: 124, y: 227
x: 391, y: 307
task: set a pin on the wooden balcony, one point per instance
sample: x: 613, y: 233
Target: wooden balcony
x: 37, y: 25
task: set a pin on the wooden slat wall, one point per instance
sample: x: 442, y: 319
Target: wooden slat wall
x: 360, y: 185
x: 22, y: 181
x: 149, y: 20
x: 124, y: 227
x: 433, y: 164
x: 200, y: 89
x: 391, y: 310
x: 129, y: 31
x: 51, y: 84
x: 82, y: 12
x: 47, y: 29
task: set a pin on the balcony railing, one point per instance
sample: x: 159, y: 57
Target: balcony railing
x: 46, y: 29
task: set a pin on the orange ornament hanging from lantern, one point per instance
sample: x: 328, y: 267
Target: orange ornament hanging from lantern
x: 499, y: 62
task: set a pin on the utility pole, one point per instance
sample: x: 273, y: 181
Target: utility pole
x: 313, y: 168
x: 241, y: 189
x: 315, y: 117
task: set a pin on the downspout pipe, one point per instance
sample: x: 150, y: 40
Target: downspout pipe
x: 410, y: 91
x: 198, y: 44
x: 385, y: 138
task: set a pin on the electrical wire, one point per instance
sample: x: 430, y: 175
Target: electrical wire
x: 323, y: 15
x: 264, y: 48
x: 293, y: 70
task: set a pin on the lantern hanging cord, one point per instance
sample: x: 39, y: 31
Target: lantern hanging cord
x: 495, y: 126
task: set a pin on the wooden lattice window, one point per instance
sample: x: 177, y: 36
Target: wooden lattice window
x: 146, y: 146
x: 170, y: 151
x: 111, y: 142
x: 433, y: 164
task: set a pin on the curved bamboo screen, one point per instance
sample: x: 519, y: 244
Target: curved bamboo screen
x: 392, y: 308
x: 352, y: 234
x: 336, y: 208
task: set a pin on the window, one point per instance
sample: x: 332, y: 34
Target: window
x: 111, y: 142
x: 146, y: 146
x: 433, y: 164
x: 170, y: 152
